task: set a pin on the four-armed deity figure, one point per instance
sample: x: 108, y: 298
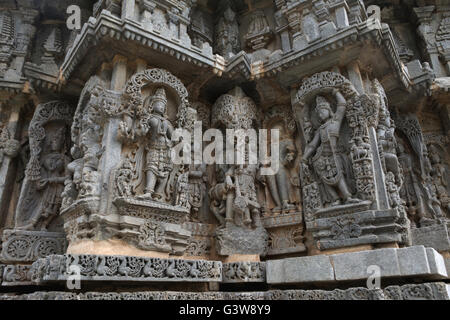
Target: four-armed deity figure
x: 326, y: 161
x: 159, y: 131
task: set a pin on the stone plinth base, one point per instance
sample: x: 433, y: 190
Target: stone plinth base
x: 58, y: 268
x: 424, y: 291
x: 355, y: 225
x: 418, y: 262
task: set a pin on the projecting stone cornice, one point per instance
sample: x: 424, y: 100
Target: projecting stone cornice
x: 289, y: 68
x: 106, y: 27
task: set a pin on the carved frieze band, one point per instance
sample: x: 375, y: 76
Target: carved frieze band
x: 425, y: 291
x: 28, y: 246
x: 126, y: 268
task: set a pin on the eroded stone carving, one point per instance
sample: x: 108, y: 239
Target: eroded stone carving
x: 422, y: 201
x: 227, y: 41
x: 8, y: 147
x: 25, y: 246
x: 40, y: 199
x: 327, y: 162
x: 244, y: 272
x: 259, y: 33
x: 234, y: 194
x: 342, y: 177
x: 123, y: 268
x: 17, y: 275
x: 432, y: 291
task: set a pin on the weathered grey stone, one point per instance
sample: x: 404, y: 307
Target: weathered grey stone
x: 17, y: 275
x: 28, y: 246
x: 237, y: 272
x: 435, y: 236
x: 332, y: 76
x: 436, y: 263
x: 426, y: 291
x: 354, y: 265
x: 447, y: 265
x: 122, y: 268
x: 300, y: 270
x: 414, y: 261
x: 238, y: 240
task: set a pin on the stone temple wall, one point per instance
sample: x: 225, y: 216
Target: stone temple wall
x: 353, y: 98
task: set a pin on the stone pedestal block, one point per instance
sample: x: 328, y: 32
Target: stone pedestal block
x: 418, y: 262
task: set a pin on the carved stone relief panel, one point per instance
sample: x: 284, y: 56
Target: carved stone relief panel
x: 40, y: 199
x: 345, y: 173
x: 233, y: 196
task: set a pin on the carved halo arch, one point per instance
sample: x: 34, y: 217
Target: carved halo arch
x: 322, y: 82
x: 133, y: 89
x: 319, y: 83
x: 45, y: 113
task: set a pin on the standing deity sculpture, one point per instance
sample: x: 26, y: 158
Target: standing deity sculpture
x: 341, y: 165
x: 234, y: 192
x: 421, y: 204
x: 431, y: 199
x: 440, y: 176
x: 388, y: 144
x: 326, y: 161
x: 280, y: 184
x: 240, y: 180
x: 157, y: 130
x: 227, y: 34
x: 46, y: 172
x: 147, y: 181
x: 197, y: 189
x: 182, y: 190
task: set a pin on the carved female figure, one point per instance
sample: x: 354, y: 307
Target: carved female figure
x: 43, y: 205
x: 227, y: 34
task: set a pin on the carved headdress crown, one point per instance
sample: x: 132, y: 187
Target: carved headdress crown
x: 160, y: 95
x: 322, y: 103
